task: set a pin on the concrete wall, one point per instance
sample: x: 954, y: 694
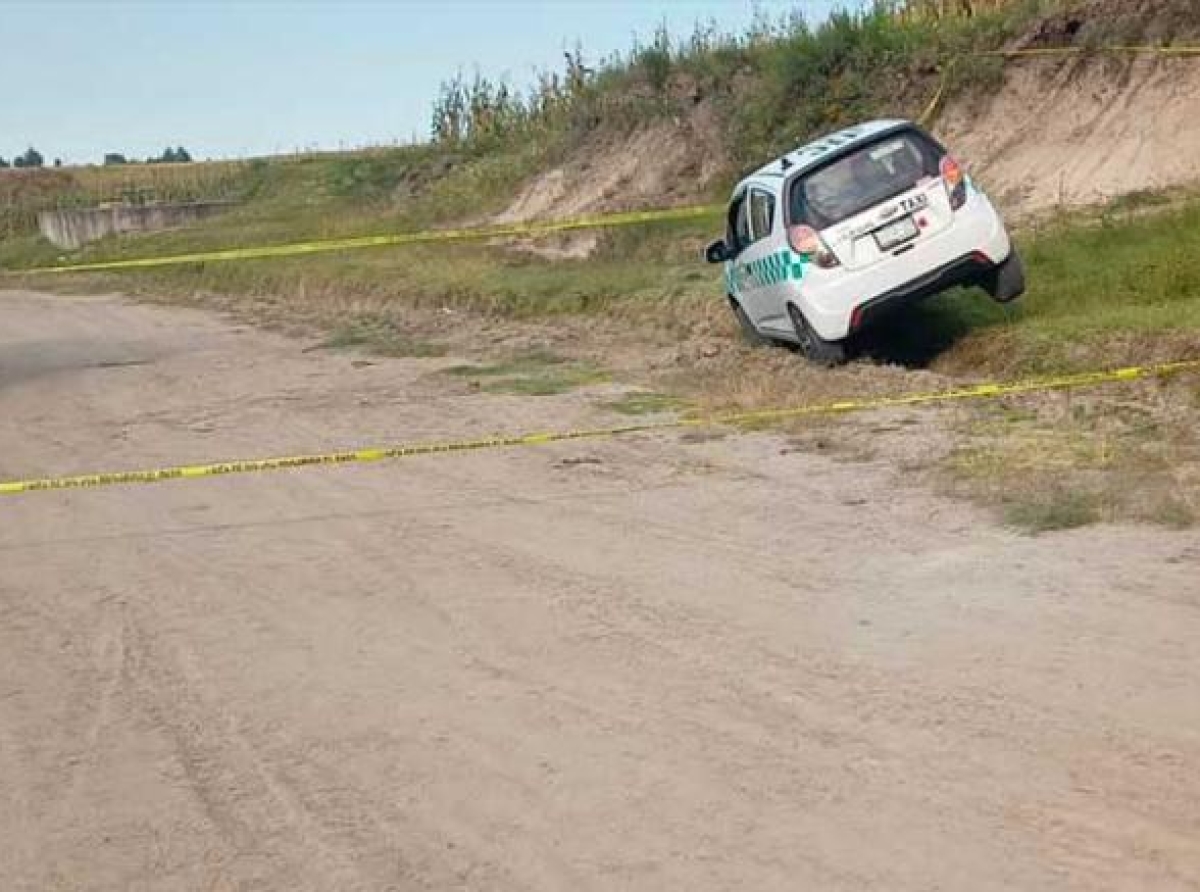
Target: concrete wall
x: 71, y: 229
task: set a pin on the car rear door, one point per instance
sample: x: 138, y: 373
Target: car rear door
x: 767, y: 260
x: 753, y: 273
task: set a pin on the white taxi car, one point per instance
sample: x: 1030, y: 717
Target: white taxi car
x: 824, y: 240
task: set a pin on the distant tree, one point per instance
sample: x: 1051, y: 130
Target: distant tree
x: 114, y: 158
x: 58, y: 162
x: 170, y: 155
x: 31, y: 158
x: 3, y: 163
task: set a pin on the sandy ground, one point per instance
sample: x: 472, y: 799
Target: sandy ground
x: 639, y: 664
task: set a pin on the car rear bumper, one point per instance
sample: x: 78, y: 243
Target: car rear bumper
x: 963, y: 271
x: 838, y: 302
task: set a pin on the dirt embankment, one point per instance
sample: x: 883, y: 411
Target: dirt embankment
x: 1059, y: 132
x: 671, y: 161
x: 1070, y: 132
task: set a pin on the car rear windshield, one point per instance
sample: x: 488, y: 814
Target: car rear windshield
x: 864, y: 177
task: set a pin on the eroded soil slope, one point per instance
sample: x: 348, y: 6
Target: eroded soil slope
x: 1081, y: 131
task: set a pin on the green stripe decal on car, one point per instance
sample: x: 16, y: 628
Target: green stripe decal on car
x: 773, y: 269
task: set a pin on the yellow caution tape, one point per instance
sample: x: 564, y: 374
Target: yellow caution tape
x: 246, y: 466
x: 509, y: 230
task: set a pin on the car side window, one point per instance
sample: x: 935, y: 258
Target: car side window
x: 762, y: 213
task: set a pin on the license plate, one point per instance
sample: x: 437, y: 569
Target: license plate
x: 897, y: 233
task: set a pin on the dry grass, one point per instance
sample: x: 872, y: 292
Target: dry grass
x: 380, y: 336
x: 1130, y: 453
x: 535, y: 373
x: 645, y: 402
x: 165, y: 182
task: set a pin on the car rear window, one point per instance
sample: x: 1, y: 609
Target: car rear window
x: 864, y: 177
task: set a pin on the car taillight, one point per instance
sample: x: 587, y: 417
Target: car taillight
x: 807, y: 243
x: 956, y: 181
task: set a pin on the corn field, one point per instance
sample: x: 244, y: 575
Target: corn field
x: 23, y: 193
x: 478, y: 110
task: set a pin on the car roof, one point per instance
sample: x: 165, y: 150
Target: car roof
x: 811, y: 154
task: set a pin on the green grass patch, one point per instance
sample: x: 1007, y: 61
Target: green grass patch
x: 644, y: 403
x: 1102, y: 291
x: 1067, y: 460
x: 1057, y: 509
x: 538, y: 373
x: 533, y: 362
x: 381, y: 338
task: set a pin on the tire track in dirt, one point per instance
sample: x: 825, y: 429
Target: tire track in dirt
x: 246, y: 807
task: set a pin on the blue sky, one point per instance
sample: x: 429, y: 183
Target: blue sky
x: 244, y: 78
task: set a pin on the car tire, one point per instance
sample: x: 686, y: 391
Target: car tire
x: 816, y: 349
x: 750, y: 334
x: 1006, y: 282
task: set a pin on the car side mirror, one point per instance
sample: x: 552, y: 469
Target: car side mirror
x: 717, y: 252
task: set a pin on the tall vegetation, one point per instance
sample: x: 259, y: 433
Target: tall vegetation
x: 476, y: 110
x: 774, y: 83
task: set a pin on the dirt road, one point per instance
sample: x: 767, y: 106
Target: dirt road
x: 644, y: 664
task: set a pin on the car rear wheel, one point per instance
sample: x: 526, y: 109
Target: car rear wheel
x: 815, y: 348
x: 750, y: 334
x: 1006, y: 282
